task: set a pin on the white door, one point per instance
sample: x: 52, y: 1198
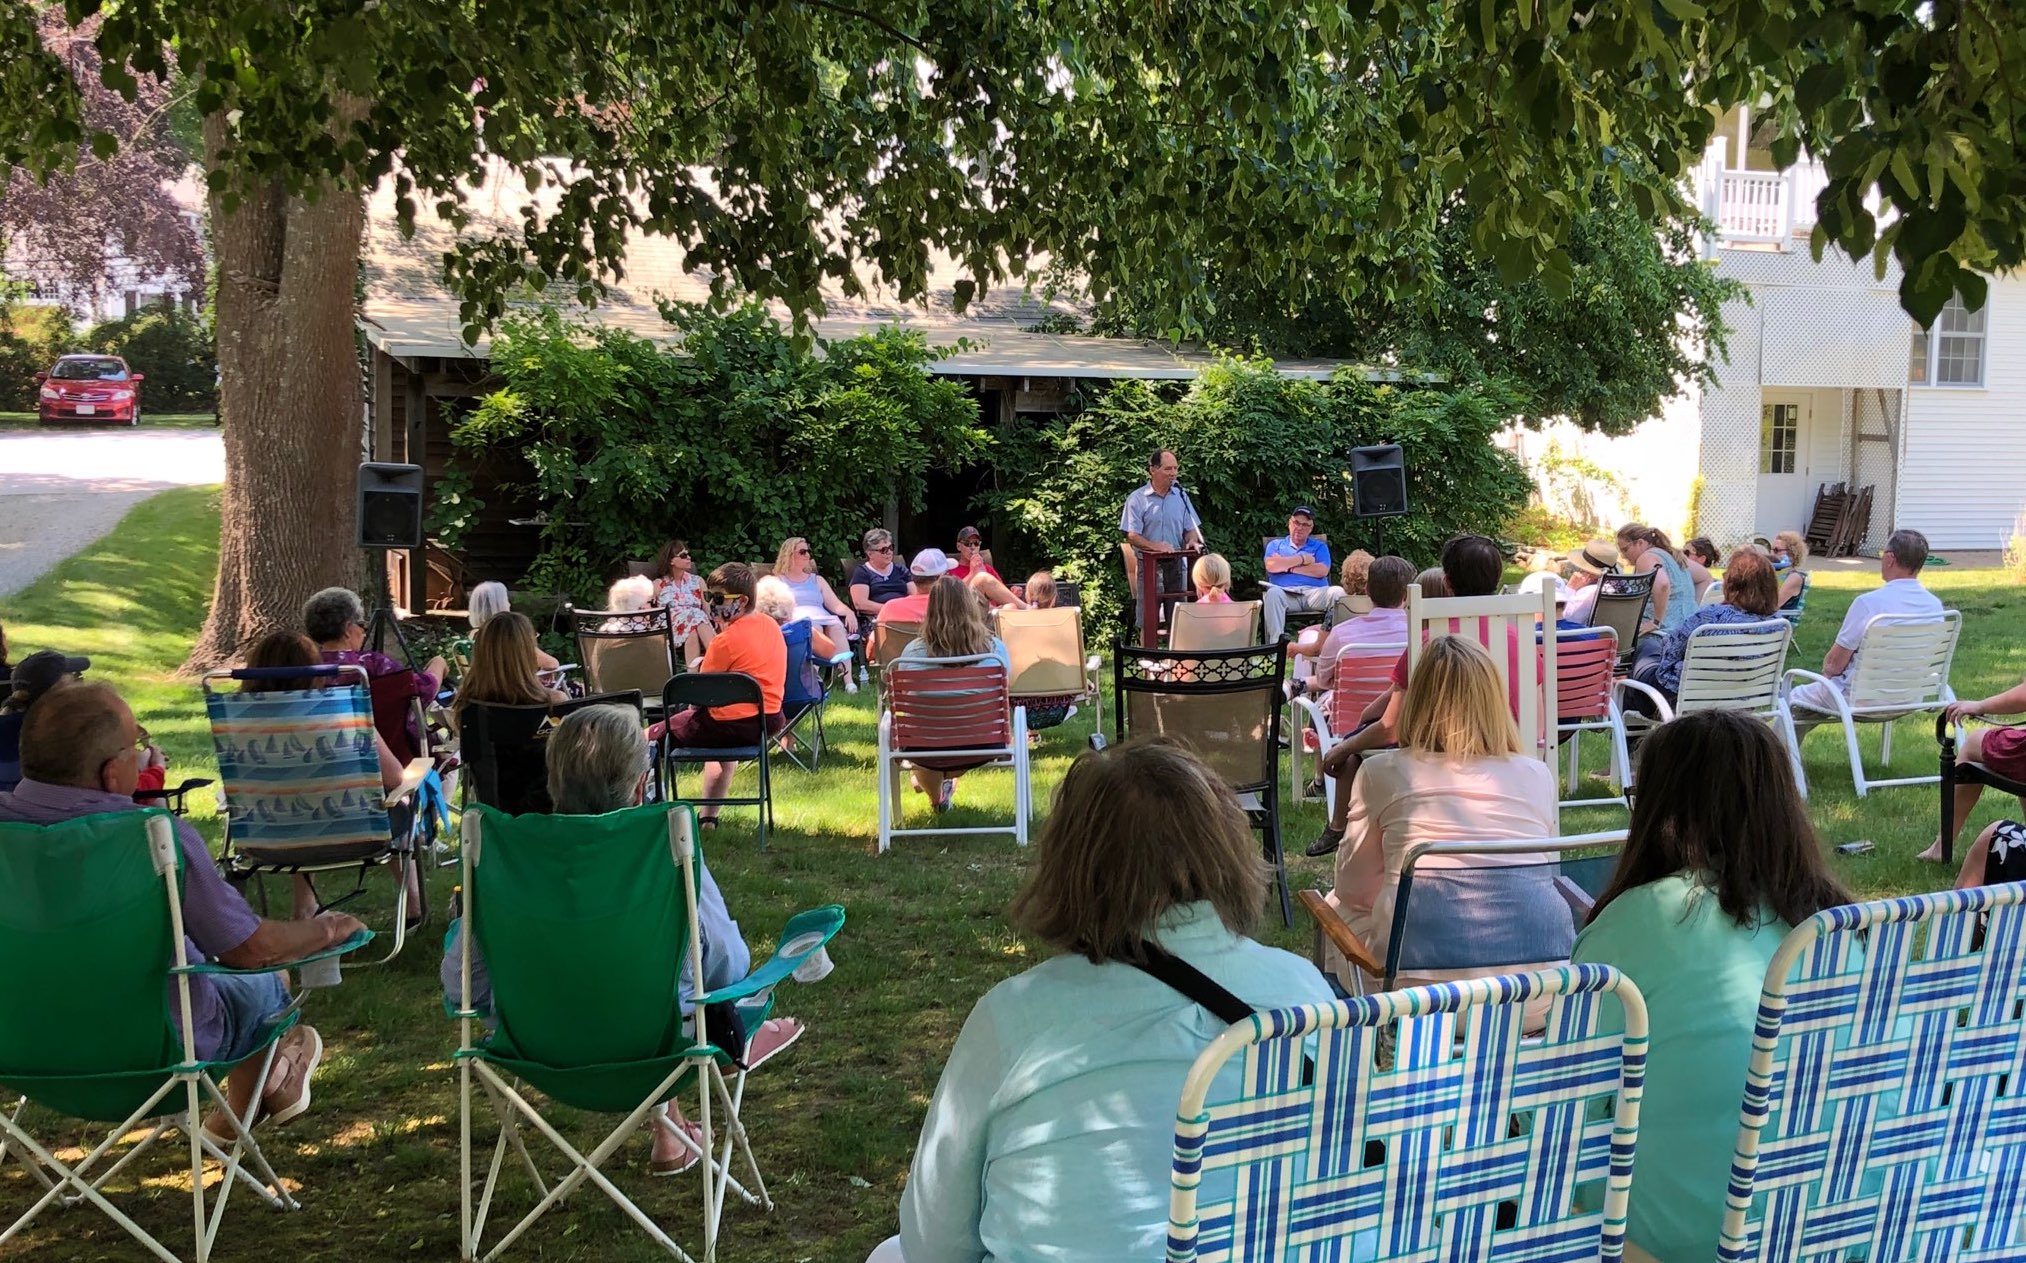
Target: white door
x: 1786, y: 485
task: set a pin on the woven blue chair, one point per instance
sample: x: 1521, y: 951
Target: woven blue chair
x: 1415, y: 1125
x: 1884, y: 1117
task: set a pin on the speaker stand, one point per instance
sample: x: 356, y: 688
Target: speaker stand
x: 379, y: 625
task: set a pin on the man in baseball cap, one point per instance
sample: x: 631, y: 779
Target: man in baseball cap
x: 929, y: 565
x: 33, y: 676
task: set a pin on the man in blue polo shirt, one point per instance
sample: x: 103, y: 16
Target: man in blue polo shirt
x: 1297, y: 574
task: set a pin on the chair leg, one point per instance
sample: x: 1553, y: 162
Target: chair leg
x: 1575, y: 761
x: 1856, y: 758
x: 1885, y: 742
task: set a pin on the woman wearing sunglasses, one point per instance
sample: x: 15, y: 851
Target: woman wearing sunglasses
x: 813, y: 598
x: 679, y: 587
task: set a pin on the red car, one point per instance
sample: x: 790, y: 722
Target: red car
x: 89, y: 388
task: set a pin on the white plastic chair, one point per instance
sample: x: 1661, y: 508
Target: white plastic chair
x: 1364, y: 672
x: 1902, y: 669
x: 1734, y: 666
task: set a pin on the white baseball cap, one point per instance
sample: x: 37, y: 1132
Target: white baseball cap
x: 931, y: 563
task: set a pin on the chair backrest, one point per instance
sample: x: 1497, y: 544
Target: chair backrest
x: 1068, y: 592
x: 1046, y: 648
x: 1490, y: 906
x: 889, y: 640
x: 86, y: 944
x: 397, y: 716
x: 1222, y: 625
x: 1585, y: 663
x: 1224, y: 704
x: 639, y: 569
x: 1508, y: 627
x: 504, y: 750
x: 952, y: 704
x: 298, y: 768
x: 1621, y: 605
x: 1734, y: 666
x: 1904, y: 660
x: 585, y: 924
x: 1881, y: 1102
x: 636, y: 654
x: 1800, y: 602
x: 1360, y: 1131
x: 1364, y: 672
x: 804, y: 684
x: 712, y: 688
x: 1348, y: 607
x: 1712, y: 593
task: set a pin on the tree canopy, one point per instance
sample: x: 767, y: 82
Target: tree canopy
x: 1272, y: 143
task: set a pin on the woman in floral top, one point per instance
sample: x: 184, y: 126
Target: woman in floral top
x: 679, y: 587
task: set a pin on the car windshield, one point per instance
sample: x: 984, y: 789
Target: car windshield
x: 89, y: 371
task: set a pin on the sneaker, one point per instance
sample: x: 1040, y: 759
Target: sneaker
x: 1316, y: 789
x: 288, y: 1083
x: 1326, y: 843
x: 945, y: 800
x: 1069, y: 714
x: 850, y: 682
x: 774, y: 1035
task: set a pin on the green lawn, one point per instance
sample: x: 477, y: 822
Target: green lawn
x: 149, y: 421
x: 835, y: 1118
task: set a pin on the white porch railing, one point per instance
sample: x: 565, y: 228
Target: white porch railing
x: 1758, y: 207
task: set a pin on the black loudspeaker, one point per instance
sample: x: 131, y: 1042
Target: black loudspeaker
x: 1378, y: 481
x: 390, y: 505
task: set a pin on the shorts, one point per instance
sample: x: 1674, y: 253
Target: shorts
x: 699, y: 729
x: 247, y: 1007
x: 2004, y: 752
x: 2007, y: 860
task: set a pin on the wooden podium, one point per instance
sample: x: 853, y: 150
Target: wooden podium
x: 1152, y: 599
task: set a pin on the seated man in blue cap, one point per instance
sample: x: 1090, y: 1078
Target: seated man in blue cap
x: 1297, y: 574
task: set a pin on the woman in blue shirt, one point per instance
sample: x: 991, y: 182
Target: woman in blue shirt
x: 1721, y: 862
x: 1052, y: 1129
x: 1750, y: 595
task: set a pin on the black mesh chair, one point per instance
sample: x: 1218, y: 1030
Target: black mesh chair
x: 713, y: 689
x: 506, y: 749
x: 1621, y: 606
x: 1954, y: 774
x: 1224, y: 704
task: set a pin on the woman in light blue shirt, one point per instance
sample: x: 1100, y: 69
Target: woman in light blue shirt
x: 1721, y: 862
x: 1052, y: 1129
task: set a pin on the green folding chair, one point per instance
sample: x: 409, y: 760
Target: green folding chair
x: 585, y: 924
x: 93, y: 1040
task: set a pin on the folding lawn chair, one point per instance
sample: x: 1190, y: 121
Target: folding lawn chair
x: 1586, y: 700
x: 587, y: 924
x: 1364, y: 673
x: 889, y: 641
x: 1621, y: 606
x: 506, y: 749
x: 1050, y: 668
x: 302, y: 793
x: 1416, y: 1125
x: 714, y: 689
x: 804, y: 696
x: 1881, y: 1116
x: 91, y: 953
x: 953, y: 714
x: 1902, y: 669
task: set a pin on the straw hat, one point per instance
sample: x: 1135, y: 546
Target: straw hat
x: 1599, y: 556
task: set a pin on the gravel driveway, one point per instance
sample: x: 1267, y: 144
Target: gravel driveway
x: 62, y: 489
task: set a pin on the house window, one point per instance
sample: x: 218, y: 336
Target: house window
x: 1779, y: 437
x: 1952, y: 353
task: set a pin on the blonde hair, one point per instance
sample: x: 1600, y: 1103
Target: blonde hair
x: 503, y: 669
x: 954, y: 626
x: 773, y: 597
x: 1136, y: 831
x: 1356, y: 572
x: 787, y: 554
x: 1797, y: 548
x: 1456, y: 704
x: 1041, y: 590
x: 630, y: 595
x: 1212, y: 573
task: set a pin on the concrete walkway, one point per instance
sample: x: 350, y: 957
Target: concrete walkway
x: 62, y: 489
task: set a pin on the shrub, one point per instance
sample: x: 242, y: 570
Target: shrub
x: 174, y: 349
x: 1252, y: 445
x: 734, y: 442
x: 30, y: 340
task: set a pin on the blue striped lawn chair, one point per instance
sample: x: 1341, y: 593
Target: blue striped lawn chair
x: 1415, y: 1125
x: 1884, y: 1115
x: 301, y: 777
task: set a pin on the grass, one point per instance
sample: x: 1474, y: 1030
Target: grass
x: 835, y: 1119
x: 149, y: 421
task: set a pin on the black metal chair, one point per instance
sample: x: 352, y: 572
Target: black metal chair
x: 713, y: 689
x: 1224, y: 704
x: 1954, y: 774
x: 506, y: 750
x: 172, y: 796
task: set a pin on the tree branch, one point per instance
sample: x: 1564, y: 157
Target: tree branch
x: 881, y: 23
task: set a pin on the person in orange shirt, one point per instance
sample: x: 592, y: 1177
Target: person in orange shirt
x: 748, y: 642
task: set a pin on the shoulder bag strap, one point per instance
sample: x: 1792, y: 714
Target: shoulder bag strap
x: 1192, y: 982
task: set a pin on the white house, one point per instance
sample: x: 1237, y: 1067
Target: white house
x: 1827, y: 380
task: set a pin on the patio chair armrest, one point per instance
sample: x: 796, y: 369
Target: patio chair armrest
x: 1340, y: 935
x: 1804, y: 676
x: 1303, y: 701
x: 411, y: 780
x: 1659, y: 698
x: 802, y: 937
x: 1094, y: 663
x: 358, y: 940
x: 1579, y: 900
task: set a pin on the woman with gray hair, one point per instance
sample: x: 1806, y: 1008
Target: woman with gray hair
x: 597, y: 761
x: 879, y: 578
x: 628, y: 598
x: 486, y: 601
x: 335, y: 619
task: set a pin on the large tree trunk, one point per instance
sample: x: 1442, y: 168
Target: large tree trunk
x: 289, y: 407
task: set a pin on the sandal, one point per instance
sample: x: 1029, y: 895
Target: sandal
x: 691, y: 1151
